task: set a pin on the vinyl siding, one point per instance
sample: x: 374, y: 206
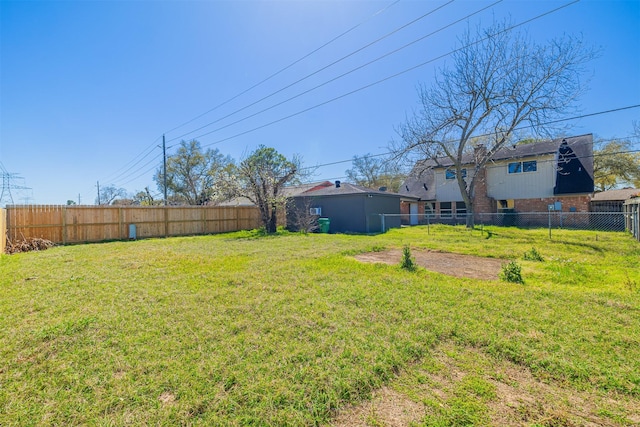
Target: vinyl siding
x: 501, y: 185
x: 447, y: 189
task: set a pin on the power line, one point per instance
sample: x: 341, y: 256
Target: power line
x: 377, y: 82
x: 344, y: 95
x: 145, y: 153
x: 494, y: 166
x: 335, y: 78
x: 330, y: 65
x: 613, y: 110
x: 154, y: 160
x: 287, y: 67
x: 6, y: 196
x: 149, y: 149
x: 374, y: 83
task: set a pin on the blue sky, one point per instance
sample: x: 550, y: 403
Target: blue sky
x: 87, y: 88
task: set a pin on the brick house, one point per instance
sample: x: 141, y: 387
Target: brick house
x: 521, y: 178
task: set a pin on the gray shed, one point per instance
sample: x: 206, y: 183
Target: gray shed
x: 350, y: 208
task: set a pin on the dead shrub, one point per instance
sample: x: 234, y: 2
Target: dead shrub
x: 28, y: 244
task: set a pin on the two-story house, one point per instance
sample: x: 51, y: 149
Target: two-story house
x: 521, y: 178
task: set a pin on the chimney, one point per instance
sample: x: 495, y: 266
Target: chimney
x: 337, y: 184
x: 479, y: 151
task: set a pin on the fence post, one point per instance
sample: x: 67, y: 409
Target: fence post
x: 203, y: 217
x: 3, y: 230
x: 122, y: 233
x: 64, y: 225
x: 166, y: 221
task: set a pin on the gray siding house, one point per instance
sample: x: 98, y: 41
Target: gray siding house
x: 350, y: 208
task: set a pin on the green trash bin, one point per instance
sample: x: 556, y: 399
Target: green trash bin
x: 324, y: 224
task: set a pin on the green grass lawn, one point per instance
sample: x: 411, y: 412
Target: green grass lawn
x: 243, y: 329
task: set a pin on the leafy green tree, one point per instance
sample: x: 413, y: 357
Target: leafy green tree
x: 261, y: 178
x: 615, y: 163
x: 375, y: 172
x: 191, y: 173
x: 145, y: 198
x: 498, y: 82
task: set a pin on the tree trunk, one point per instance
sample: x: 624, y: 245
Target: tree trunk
x: 470, y: 216
x: 272, y: 225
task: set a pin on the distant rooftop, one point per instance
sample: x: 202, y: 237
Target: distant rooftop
x: 615, y: 195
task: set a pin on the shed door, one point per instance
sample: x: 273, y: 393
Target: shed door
x: 413, y: 213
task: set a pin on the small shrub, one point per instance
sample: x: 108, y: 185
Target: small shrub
x: 407, y: 262
x: 533, y: 255
x: 511, y: 272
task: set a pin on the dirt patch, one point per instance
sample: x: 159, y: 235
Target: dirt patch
x: 515, y: 397
x: 167, y: 398
x: 457, y: 265
x: 386, y: 408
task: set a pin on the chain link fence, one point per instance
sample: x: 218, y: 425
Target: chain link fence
x: 597, y: 221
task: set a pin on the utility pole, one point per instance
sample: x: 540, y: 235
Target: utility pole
x: 79, y: 199
x: 164, y: 173
x: 98, y: 183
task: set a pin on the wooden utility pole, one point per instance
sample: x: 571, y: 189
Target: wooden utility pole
x: 164, y: 172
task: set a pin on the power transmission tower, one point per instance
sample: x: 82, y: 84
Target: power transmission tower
x: 6, y: 197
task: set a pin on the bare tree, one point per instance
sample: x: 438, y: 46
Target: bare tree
x: 499, y: 82
x: 373, y: 172
x: 109, y: 194
x: 302, y: 219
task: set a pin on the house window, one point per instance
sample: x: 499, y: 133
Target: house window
x: 506, y: 204
x: 461, y: 210
x: 518, y: 167
x: 445, y: 210
x: 515, y: 167
x: 531, y: 166
x: 429, y: 210
x: 451, y: 173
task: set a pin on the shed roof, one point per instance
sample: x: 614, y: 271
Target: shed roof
x: 288, y: 191
x: 616, y: 195
x: 344, y: 189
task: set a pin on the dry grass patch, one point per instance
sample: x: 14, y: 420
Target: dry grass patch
x: 387, y: 407
x: 459, y: 385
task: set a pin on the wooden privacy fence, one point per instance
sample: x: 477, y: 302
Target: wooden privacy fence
x: 82, y: 224
x: 3, y: 230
